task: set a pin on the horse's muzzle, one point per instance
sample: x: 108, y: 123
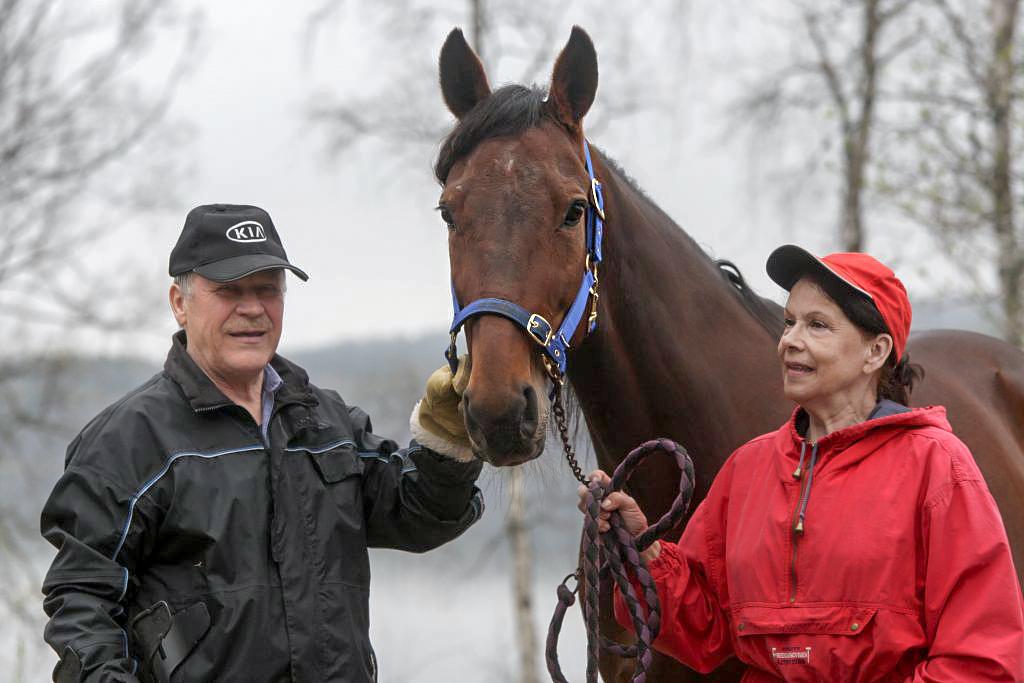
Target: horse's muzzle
x: 507, y: 432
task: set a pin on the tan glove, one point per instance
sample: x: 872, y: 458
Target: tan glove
x: 437, y: 421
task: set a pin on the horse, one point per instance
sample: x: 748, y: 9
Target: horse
x: 681, y: 348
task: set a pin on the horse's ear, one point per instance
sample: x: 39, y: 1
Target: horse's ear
x: 574, y: 79
x: 463, y: 81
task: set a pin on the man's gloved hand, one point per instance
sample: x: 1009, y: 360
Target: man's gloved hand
x: 436, y: 421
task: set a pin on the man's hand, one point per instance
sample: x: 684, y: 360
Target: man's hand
x: 633, y: 518
x: 437, y: 421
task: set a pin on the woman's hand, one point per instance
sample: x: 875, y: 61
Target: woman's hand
x: 633, y: 518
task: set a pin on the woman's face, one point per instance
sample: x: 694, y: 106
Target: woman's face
x: 825, y: 357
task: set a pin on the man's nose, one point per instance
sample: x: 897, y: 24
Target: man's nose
x: 250, y: 305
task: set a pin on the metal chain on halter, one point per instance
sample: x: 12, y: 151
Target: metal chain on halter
x: 622, y: 557
x: 563, y: 431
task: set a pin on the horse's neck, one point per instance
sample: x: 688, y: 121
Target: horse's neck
x: 676, y: 354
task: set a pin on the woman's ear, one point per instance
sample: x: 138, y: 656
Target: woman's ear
x: 878, y: 352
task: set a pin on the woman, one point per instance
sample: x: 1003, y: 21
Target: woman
x: 858, y: 542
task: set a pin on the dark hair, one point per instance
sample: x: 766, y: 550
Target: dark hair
x: 509, y: 110
x: 898, y: 378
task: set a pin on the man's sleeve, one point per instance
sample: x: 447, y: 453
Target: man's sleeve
x: 415, y: 499
x: 85, y: 586
x: 972, y: 599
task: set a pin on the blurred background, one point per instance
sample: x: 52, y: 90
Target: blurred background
x: 889, y: 126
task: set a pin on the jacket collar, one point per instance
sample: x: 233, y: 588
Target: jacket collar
x: 203, y: 394
x: 856, y: 441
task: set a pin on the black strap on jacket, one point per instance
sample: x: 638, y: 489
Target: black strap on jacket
x: 163, y: 640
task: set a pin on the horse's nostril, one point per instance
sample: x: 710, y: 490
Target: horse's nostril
x: 472, y: 424
x: 528, y: 425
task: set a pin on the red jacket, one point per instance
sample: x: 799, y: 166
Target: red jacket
x: 902, y: 571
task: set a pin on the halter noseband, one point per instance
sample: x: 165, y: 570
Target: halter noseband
x: 554, y: 343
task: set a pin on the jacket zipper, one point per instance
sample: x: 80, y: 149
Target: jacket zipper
x: 797, y: 528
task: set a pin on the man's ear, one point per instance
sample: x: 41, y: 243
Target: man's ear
x: 878, y: 352
x: 177, y: 301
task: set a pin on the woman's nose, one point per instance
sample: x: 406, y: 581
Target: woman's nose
x: 791, y: 337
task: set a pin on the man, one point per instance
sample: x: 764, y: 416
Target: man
x: 212, y: 525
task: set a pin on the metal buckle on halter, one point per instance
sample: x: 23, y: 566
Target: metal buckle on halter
x: 592, y: 318
x: 539, y: 329
x: 595, y: 187
x: 452, y: 354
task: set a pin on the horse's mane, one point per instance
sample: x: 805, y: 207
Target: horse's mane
x: 765, y: 312
x: 509, y: 110
x: 512, y: 109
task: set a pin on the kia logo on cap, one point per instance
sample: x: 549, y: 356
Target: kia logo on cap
x: 246, y: 231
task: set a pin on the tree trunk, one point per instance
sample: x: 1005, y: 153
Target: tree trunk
x: 522, y: 554
x: 478, y: 22
x: 857, y: 134
x: 1000, y: 96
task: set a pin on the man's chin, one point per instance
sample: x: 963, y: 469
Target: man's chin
x: 246, y: 361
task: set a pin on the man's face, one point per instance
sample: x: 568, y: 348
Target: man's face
x: 233, y: 327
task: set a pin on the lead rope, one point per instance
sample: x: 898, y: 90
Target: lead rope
x: 621, y: 556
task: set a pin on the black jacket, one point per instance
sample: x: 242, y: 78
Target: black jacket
x: 171, y: 495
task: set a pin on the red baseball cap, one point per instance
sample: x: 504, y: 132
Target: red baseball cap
x: 860, y: 274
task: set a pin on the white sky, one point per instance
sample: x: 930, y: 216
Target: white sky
x: 364, y: 227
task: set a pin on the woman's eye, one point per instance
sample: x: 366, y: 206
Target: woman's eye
x: 788, y: 322
x: 818, y: 325
x: 574, y: 214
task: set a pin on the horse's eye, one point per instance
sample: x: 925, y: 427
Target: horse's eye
x: 575, y: 213
x: 446, y: 216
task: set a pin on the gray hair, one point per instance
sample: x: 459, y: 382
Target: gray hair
x: 184, y: 283
x: 185, y: 280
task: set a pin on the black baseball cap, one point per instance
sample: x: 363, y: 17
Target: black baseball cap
x: 225, y: 242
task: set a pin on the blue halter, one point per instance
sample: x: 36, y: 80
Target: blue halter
x: 555, y: 343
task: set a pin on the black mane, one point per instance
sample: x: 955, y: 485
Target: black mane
x: 509, y: 110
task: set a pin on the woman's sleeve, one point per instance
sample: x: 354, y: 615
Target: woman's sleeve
x: 691, y: 591
x: 973, y: 612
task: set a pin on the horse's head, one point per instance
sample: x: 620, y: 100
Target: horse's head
x: 515, y: 195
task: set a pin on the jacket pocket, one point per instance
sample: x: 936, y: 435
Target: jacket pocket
x: 335, y: 516
x: 337, y: 463
x: 816, y: 642
x: 810, y: 620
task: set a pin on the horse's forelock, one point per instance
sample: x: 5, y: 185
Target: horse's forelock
x: 509, y: 110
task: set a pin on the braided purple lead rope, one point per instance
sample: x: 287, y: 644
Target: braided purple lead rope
x: 622, y: 552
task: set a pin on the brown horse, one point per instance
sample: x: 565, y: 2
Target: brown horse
x: 679, y: 350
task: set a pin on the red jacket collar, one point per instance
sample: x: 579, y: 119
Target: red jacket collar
x: 854, y: 442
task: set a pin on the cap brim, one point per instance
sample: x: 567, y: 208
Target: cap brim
x: 238, y: 267
x: 787, y: 264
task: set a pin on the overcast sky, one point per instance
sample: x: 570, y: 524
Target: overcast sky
x: 363, y: 226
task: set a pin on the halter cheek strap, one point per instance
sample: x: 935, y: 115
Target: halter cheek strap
x: 554, y: 343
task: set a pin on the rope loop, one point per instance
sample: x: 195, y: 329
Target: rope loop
x: 617, y: 551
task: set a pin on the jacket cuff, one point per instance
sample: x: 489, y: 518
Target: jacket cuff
x: 437, y: 466
x: 667, y: 562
